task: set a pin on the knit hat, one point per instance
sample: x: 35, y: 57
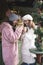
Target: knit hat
x: 13, y: 17
x: 27, y: 17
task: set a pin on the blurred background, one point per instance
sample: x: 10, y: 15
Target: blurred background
x: 21, y: 7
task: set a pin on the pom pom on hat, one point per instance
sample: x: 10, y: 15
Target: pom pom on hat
x: 13, y: 17
x: 27, y: 17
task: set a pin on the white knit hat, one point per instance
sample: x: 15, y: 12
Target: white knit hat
x: 27, y: 17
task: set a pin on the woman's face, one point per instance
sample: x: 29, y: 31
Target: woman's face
x: 15, y: 22
x: 28, y: 23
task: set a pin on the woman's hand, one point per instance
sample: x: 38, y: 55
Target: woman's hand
x: 24, y: 30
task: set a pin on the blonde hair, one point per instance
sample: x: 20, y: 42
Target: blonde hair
x: 33, y: 25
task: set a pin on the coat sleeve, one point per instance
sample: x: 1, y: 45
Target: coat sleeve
x: 12, y: 36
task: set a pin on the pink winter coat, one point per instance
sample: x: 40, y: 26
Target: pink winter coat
x: 10, y: 44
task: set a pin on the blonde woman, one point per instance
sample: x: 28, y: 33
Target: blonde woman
x: 28, y: 39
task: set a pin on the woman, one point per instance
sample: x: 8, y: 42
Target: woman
x: 10, y: 36
x: 28, y: 39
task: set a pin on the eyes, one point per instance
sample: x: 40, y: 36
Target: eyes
x: 18, y: 20
x: 27, y: 20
